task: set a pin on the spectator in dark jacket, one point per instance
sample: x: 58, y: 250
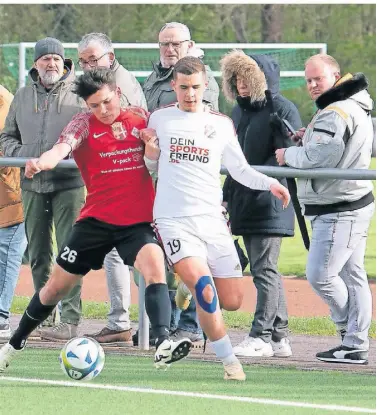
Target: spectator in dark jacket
x: 255, y: 215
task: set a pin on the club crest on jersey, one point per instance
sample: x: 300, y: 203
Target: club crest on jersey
x: 209, y: 131
x: 120, y: 133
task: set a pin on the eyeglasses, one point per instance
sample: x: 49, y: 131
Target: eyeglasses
x: 91, y: 62
x: 175, y: 45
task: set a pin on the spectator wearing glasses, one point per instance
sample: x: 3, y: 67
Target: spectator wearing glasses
x: 175, y: 43
x: 96, y: 50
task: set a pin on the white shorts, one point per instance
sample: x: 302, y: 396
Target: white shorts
x: 203, y: 236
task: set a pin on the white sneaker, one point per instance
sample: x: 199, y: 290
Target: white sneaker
x: 5, y: 332
x: 7, y: 353
x: 234, y: 371
x: 253, y: 347
x: 170, y: 351
x: 282, y: 348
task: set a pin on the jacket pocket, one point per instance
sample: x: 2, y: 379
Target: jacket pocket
x: 166, y: 96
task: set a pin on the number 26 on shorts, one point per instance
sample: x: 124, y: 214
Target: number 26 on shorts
x: 69, y: 255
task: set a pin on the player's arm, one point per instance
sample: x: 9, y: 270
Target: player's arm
x: 152, y: 150
x: 47, y: 160
x: 238, y: 167
x: 70, y: 138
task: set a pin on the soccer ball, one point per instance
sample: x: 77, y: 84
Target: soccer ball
x: 82, y: 358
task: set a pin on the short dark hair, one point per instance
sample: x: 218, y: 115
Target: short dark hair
x: 92, y: 81
x: 188, y: 66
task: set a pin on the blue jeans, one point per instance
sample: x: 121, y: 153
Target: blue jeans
x: 185, y: 320
x: 12, y: 247
x: 335, y: 270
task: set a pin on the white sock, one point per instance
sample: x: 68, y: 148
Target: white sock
x: 224, y: 350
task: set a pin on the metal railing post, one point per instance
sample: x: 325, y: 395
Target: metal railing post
x: 21, y: 65
x: 143, y: 317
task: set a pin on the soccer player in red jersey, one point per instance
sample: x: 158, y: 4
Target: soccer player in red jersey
x: 117, y: 213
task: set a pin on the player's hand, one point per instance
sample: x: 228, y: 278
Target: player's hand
x: 152, y: 149
x: 281, y: 192
x: 148, y: 134
x: 279, y: 153
x: 32, y: 168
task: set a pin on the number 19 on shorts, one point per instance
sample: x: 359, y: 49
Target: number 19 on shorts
x: 174, y: 245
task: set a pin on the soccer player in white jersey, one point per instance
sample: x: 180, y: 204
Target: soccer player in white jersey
x: 186, y: 143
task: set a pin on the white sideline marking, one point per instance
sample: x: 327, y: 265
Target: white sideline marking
x: 191, y: 394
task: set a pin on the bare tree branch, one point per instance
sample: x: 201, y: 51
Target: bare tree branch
x: 271, y: 23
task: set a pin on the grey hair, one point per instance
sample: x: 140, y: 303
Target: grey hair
x: 180, y: 26
x: 99, y: 38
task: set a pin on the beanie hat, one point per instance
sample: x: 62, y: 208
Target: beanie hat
x: 47, y: 46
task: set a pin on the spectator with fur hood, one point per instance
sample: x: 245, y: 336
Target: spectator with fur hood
x: 256, y: 215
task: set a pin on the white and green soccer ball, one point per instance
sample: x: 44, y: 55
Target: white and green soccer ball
x: 82, y: 358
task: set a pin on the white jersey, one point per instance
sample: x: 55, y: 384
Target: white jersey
x: 193, y: 147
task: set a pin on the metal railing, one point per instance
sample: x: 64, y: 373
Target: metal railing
x: 321, y: 173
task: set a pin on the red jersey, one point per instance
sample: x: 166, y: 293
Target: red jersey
x: 111, y: 162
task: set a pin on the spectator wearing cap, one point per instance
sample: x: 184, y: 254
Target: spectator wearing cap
x: 37, y: 116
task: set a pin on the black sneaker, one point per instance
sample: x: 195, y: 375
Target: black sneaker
x: 344, y: 354
x: 135, y: 338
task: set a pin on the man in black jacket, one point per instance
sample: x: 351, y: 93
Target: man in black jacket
x: 255, y: 215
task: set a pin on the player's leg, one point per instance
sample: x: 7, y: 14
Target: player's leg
x: 196, y: 275
x: 146, y: 255
x: 150, y: 262
x: 75, y: 259
x: 40, y: 307
x: 224, y: 263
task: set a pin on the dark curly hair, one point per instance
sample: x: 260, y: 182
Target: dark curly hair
x: 92, y: 81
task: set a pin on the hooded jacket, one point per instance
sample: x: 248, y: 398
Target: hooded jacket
x: 132, y: 94
x: 253, y: 211
x: 159, y: 92
x: 35, y: 120
x: 10, y: 193
x: 340, y: 135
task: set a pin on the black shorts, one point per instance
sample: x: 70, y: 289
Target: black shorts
x: 91, y: 240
